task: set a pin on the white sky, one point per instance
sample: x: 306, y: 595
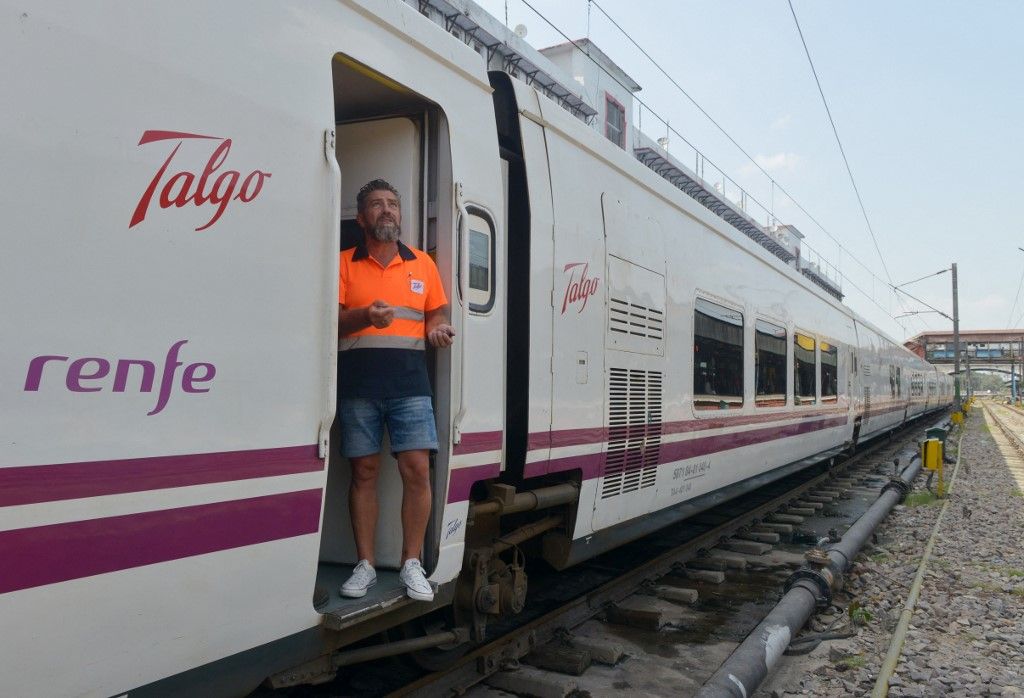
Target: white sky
x: 927, y: 95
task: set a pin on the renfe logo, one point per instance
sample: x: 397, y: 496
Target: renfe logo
x: 186, y: 187
x: 580, y: 288
x: 85, y: 375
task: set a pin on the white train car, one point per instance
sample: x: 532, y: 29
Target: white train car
x: 177, y: 182
x: 708, y: 367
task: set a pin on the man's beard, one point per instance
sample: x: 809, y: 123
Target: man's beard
x: 386, y: 231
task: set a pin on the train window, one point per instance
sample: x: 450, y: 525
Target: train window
x: 480, y: 283
x: 717, y: 357
x: 829, y: 372
x: 805, y: 374
x: 770, y: 364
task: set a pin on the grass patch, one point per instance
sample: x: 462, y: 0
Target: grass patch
x: 916, y: 499
x: 859, y: 615
x: 1001, y: 569
x: 855, y: 661
x: 879, y: 557
x: 1015, y: 492
x: 1017, y: 591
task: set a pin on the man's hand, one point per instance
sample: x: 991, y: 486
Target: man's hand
x: 380, y: 314
x: 441, y: 336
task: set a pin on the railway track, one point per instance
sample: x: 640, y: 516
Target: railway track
x: 1009, y: 419
x: 733, y: 558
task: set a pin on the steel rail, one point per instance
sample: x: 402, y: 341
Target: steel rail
x: 1014, y: 438
x: 509, y: 648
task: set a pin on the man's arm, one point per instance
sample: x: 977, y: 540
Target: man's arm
x: 350, y: 320
x: 439, y: 333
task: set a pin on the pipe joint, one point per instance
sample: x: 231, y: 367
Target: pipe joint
x: 898, y: 485
x: 817, y: 580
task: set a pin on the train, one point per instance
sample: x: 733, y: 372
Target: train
x: 178, y: 179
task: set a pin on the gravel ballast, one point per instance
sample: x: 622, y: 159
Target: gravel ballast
x: 966, y: 636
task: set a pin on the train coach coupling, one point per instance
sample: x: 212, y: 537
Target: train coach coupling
x: 504, y: 499
x: 490, y: 587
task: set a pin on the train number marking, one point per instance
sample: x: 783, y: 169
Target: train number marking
x: 689, y: 473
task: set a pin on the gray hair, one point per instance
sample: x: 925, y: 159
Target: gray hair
x: 372, y: 186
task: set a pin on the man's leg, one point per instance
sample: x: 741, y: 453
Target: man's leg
x: 362, y: 502
x: 414, y: 467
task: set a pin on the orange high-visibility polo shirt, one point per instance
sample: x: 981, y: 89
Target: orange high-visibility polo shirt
x: 389, y: 362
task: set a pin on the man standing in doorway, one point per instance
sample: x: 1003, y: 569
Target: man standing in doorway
x: 390, y: 304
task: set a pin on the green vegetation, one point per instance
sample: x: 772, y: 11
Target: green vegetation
x: 859, y: 615
x: 854, y: 661
x: 1002, y: 569
x: 916, y: 499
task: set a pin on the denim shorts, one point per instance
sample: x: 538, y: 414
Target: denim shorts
x: 410, y: 423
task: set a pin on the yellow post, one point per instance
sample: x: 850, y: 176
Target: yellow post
x: 957, y: 418
x: 931, y: 459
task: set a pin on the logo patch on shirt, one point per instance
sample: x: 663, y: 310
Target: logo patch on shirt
x: 416, y: 286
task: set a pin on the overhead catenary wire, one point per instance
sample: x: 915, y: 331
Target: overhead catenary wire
x: 672, y: 130
x: 1009, y: 321
x: 842, y: 151
x: 728, y: 136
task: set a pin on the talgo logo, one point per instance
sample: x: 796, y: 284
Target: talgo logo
x: 213, y: 186
x: 579, y: 288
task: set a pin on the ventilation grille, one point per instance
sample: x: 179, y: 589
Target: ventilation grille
x: 637, y: 320
x: 867, y: 400
x: 634, y: 431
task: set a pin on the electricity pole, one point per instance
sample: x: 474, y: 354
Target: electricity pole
x: 958, y: 399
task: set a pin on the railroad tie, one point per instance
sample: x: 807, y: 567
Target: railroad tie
x: 555, y: 656
x: 707, y: 563
x: 820, y: 498
x: 808, y: 504
x: 709, y: 576
x: 772, y: 527
x: 748, y: 547
x: 526, y: 680
x: 677, y: 594
x: 759, y: 536
x: 732, y: 560
x: 636, y: 614
x: 601, y: 650
x: 785, y: 519
x: 800, y: 511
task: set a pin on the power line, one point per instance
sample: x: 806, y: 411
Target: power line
x: 842, y: 151
x: 672, y: 130
x: 739, y: 147
x: 732, y: 140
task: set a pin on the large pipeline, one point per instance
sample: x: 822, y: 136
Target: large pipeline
x: 809, y: 587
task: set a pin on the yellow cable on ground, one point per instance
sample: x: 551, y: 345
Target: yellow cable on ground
x: 892, y: 657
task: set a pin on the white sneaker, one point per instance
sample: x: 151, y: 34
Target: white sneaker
x: 416, y: 584
x: 363, y: 577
